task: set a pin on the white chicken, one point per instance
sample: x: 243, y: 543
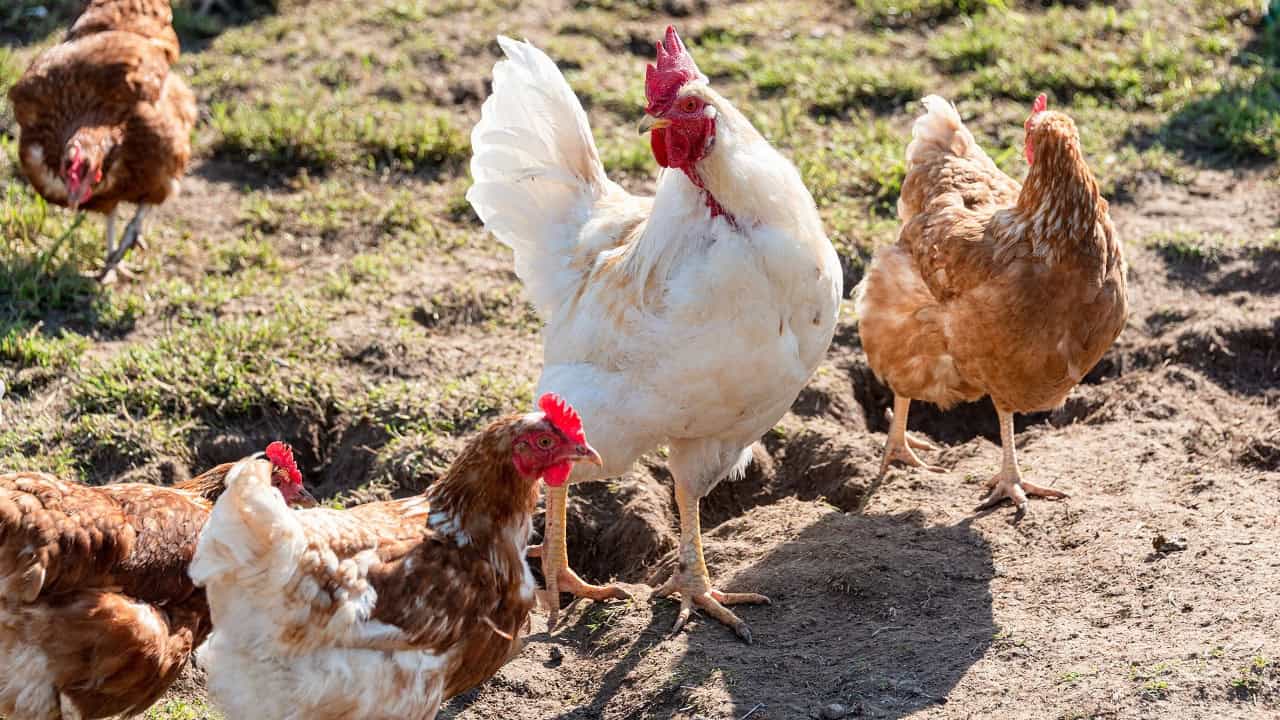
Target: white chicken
x: 692, y: 318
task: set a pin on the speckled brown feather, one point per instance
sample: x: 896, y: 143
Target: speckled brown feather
x: 994, y: 288
x: 83, y: 568
x: 109, y: 84
x: 467, y: 599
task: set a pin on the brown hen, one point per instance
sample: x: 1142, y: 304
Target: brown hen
x: 992, y: 288
x: 388, y: 609
x: 97, y: 613
x: 103, y: 119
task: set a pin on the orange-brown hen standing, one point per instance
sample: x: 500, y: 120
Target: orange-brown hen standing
x: 103, y: 119
x: 97, y: 613
x: 992, y: 288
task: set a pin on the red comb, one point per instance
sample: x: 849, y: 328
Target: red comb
x: 1041, y: 104
x: 281, y: 455
x: 563, y: 416
x: 675, y: 68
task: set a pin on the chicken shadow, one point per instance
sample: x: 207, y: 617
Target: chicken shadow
x: 880, y: 613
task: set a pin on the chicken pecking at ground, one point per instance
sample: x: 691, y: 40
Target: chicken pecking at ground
x: 692, y: 318
x: 104, y: 120
x: 385, y: 610
x: 992, y: 288
x: 97, y: 614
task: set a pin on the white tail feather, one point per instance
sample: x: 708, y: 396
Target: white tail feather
x: 247, y: 530
x: 536, y: 169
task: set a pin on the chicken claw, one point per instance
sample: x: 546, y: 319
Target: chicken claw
x: 1008, y: 483
x: 695, y: 589
x: 1012, y: 486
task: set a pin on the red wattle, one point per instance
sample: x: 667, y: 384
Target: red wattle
x: 557, y: 474
x: 658, y: 141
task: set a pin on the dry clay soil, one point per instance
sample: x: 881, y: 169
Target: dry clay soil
x: 904, y: 602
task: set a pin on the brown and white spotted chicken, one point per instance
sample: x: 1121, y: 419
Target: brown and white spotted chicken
x: 386, y: 610
x: 104, y: 120
x: 993, y: 288
x: 97, y: 613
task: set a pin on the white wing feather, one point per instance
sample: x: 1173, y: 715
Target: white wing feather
x: 536, y: 169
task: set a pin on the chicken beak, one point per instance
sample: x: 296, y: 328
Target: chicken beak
x: 77, y: 194
x: 586, y: 453
x: 652, y: 123
x: 305, y: 499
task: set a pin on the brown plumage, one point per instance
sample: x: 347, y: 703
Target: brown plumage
x: 992, y: 288
x: 411, y: 601
x: 103, y: 119
x: 97, y: 613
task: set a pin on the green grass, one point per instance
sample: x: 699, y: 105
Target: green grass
x: 182, y: 710
x: 225, y: 369
x: 292, y: 133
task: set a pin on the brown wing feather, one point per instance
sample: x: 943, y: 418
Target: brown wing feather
x: 149, y: 19
x: 57, y: 536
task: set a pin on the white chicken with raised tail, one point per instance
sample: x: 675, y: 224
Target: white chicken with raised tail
x: 692, y: 318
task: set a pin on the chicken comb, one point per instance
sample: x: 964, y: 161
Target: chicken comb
x: 281, y: 456
x: 1040, y: 105
x: 674, y: 68
x: 563, y: 416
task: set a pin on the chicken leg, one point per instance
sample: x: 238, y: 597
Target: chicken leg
x: 1008, y: 483
x: 898, y: 447
x: 691, y: 578
x: 554, y: 552
x: 132, y: 235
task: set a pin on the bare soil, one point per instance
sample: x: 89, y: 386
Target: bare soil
x: 919, y: 607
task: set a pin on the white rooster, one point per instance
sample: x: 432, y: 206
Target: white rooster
x: 692, y: 318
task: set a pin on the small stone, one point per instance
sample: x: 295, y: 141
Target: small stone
x: 556, y: 658
x: 1165, y: 545
x: 834, y: 711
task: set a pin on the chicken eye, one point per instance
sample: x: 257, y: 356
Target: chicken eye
x: 545, y: 442
x: 689, y: 105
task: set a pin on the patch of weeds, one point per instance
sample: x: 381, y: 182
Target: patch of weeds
x: 276, y: 135
x: 854, y: 87
x: 250, y: 251
x: 36, y: 357
x: 1241, y: 121
x: 182, y: 710
x: 1154, y: 679
x: 220, y: 368
x: 453, y: 407
x: 1189, y: 248
x: 30, y: 348
x: 627, y: 156
x: 411, y: 141
x: 1252, y: 678
x: 43, y: 251
x: 906, y: 13
x: 971, y: 46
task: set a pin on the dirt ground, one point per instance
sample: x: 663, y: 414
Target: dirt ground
x: 919, y: 607
x: 392, y: 326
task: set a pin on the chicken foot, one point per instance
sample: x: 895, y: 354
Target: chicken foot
x: 692, y: 580
x: 132, y: 235
x: 554, y: 552
x: 900, y: 444
x: 1008, y: 483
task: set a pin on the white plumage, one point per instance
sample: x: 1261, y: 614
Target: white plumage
x: 664, y: 324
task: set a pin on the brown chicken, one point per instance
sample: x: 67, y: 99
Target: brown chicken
x: 992, y: 288
x: 103, y: 119
x: 97, y: 613
x: 385, y: 610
